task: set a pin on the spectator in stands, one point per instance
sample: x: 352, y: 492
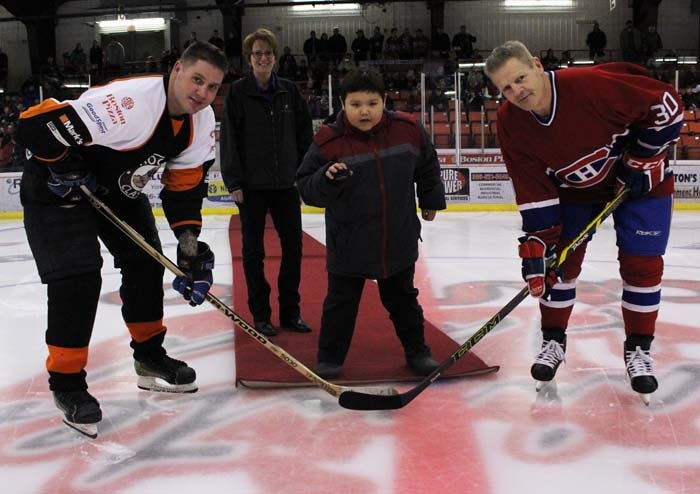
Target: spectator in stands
x: 324, y: 54
x: 6, y: 146
x: 96, y: 57
x: 376, y: 44
x: 360, y: 46
x: 217, y: 40
x: 420, y: 45
x: 115, y: 55
x: 410, y: 81
x: 78, y: 58
x: 566, y: 58
x: 193, y: 38
x: 438, y: 98
x: 441, y: 43
x: 651, y: 43
x: 265, y: 131
x: 630, y: 43
x: 549, y: 61
x: 392, y: 45
x: 4, y: 67
x: 288, y: 64
x: 303, y: 72
x: 406, y: 45
x: 311, y: 48
x: 337, y: 46
x: 230, y: 47
x: 463, y: 43
x: 346, y: 64
x: 596, y: 41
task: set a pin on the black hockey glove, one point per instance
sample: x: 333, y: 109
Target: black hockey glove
x: 198, y: 269
x: 66, y: 178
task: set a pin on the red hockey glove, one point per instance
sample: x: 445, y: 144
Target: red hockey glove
x: 641, y: 175
x: 538, y: 260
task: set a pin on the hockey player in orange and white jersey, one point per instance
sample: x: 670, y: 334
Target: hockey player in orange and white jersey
x: 113, y: 139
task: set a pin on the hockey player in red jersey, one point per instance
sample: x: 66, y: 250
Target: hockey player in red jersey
x: 113, y: 139
x: 570, y: 139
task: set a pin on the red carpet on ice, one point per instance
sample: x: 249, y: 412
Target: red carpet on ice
x: 375, y: 354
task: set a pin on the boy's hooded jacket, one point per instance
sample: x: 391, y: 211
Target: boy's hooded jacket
x: 372, y: 229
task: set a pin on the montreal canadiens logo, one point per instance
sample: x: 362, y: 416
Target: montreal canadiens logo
x: 588, y: 170
x: 127, y: 103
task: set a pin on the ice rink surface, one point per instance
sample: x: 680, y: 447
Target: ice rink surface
x: 588, y: 433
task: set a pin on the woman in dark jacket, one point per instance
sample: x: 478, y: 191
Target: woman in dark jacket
x: 265, y: 131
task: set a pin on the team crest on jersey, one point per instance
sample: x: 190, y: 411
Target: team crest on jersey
x: 133, y: 181
x: 589, y: 170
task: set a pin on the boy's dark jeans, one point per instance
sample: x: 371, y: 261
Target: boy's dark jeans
x: 399, y: 297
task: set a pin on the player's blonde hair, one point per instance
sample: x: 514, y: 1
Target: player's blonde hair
x: 501, y: 54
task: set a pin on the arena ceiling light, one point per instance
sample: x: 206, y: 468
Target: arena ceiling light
x: 537, y: 4
x: 325, y: 7
x: 139, y: 25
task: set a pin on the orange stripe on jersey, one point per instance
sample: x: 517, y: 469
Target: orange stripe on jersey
x: 142, y: 331
x: 178, y: 180
x: 178, y: 224
x: 66, y: 360
x: 45, y: 106
x: 52, y: 160
x: 177, y: 125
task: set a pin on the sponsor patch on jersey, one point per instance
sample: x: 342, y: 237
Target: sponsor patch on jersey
x: 89, y: 109
x: 127, y: 103
x: 114, y: 111
x: 132, y: 181
x: 71, y: 129
x: 54, y: 130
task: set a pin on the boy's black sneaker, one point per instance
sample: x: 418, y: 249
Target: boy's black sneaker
x: 328, y: 370
x: 266, y: 328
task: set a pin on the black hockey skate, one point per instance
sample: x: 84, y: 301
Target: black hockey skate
x: 81, y: 409
x: 165, y: 374
x: 550, y: 357
x: 639, y: 365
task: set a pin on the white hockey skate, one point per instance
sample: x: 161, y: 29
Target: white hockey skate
x: 547, y: 362
x: 639, y: 366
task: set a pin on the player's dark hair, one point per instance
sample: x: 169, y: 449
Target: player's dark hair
x: 202, y: 50
x: 365, y: 81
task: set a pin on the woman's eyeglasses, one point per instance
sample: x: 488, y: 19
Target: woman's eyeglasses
x: 259, y: 54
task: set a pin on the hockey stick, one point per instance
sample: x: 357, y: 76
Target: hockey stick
x: 330, y: 388
x: 356, y: 401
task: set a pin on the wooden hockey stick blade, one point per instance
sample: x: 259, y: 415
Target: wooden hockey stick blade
x: 332, y: 389
x: 356, y: 401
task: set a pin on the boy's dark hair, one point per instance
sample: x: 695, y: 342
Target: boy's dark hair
x: 365, y: 81
x: 202, y: 50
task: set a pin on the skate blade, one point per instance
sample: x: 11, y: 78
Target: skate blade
x: 540, y: 384
x: 149, y: 383
x: 89, y: 430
